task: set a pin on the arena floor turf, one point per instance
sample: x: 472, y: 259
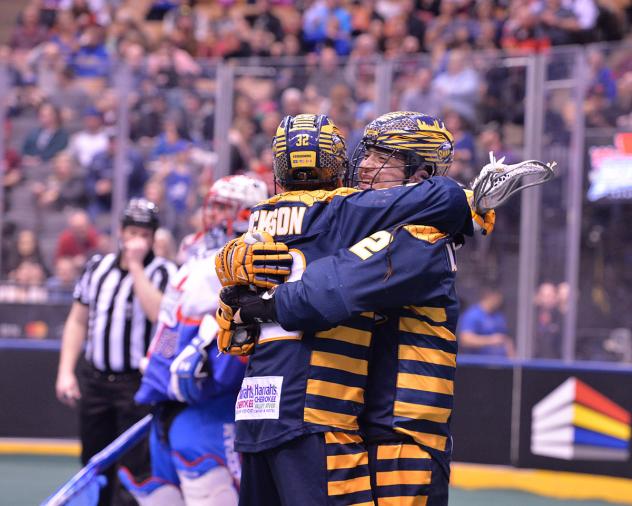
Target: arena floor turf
x: 26, y: 480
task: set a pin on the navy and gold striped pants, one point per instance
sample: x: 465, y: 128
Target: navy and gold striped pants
x: 404, y: 474
x: 324, y: 469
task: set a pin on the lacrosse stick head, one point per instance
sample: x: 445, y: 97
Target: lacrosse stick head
x: 498, y: 181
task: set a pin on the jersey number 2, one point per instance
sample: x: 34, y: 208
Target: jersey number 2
x: 372, y: 244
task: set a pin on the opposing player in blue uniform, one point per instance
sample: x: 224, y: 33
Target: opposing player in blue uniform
x: 297, y: 411
x: 192, y: 434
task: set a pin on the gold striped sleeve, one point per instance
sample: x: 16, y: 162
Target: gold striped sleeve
x: 348, y: 461
x: 429, y: 355
x: 280, y: 338
x: 430, y: 440
x: 425, y: 383
x: 436, y: 314
x: 421, y: 412
x: 401, y: 451
x: 419, y: 327
x: 348, y: 335
x: 386, y: 478
x: 341, y: 438
x: 418, y: 500
x: 335, y: 390
x: 341, y: 362
x: 424, y: 233
x: 359, y: 484
x: 370, y: 503
x: 331, y: 418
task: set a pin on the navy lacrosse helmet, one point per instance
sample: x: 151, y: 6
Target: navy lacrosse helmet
x: 140, y: 213
x: 423, y: 141
x: 309, y: 153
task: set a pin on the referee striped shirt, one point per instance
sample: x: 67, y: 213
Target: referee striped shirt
x: 118, y: 330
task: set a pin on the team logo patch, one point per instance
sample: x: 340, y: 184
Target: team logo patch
x: 444, y: 151
x: 259, y: 398
x: 337, y: 146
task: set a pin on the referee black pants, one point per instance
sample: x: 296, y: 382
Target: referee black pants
x: 106, y: 410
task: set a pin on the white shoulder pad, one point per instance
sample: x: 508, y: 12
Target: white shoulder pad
x: 202, y: 288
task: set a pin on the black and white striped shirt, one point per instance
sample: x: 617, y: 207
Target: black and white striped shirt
x: 118, y: 331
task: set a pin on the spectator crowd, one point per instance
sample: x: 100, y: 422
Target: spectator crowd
x: 448, y: 59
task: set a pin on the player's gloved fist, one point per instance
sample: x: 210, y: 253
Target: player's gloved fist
x: 485, y: 223
x: 234, y: 338
x: 253, y: 259
x: 482, y: 222
x: 272, y: 262
x: 191, y: 366
x: 249, y: 306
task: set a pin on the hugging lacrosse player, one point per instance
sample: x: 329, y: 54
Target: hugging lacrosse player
x: 373, y: 325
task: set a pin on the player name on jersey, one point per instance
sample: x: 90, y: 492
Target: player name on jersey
x: 280, y: 221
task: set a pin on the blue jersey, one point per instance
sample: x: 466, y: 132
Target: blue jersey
x: 191, y: 295
x: 313, y: 381
x: 197, y: 437
x: 475, y: 319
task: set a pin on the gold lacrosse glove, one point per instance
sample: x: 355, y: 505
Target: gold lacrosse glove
x: 253, y: 259
x: 483, y: 222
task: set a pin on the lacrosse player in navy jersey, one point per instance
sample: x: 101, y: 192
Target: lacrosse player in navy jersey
x: 407, y: 272
x: 297, y: 412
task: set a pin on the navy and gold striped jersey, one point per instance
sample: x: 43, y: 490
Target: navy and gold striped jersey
x: 410, y: 284
x: 314, y: 381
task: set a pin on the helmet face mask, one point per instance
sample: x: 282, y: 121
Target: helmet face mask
x: 216, y: 213
x: 378, y: 168
x: 228, y: 196
x: 419, y: 144
x: 309, y: 153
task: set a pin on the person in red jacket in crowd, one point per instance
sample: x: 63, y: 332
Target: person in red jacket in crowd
x: 79, y: 240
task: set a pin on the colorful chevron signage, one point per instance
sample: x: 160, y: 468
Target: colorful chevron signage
x: 575, y: 422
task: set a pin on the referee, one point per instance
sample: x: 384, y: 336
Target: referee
x: 116, y: 304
